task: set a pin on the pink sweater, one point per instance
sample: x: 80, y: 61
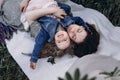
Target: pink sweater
x: 38, y: 4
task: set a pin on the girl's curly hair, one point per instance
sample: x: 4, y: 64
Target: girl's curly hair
x: 50, y: 49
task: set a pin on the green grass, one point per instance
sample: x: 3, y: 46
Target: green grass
x: 9, y: 69
x: 110, y: 8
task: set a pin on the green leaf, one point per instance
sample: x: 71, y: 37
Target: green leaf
x: 94, y: 78
x: 77, y: 74
x: 105, y: 73
x: 115, y: 72
x: 51, y: 60
x: 68, y: 76
x: 60, y: 78
x: 85, y: 77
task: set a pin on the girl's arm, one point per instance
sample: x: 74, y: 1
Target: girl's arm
x: 23, y: 5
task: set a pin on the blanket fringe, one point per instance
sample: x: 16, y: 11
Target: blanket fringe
x: 6, y: 32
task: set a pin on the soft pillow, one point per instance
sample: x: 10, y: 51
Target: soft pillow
x: 11, y: 13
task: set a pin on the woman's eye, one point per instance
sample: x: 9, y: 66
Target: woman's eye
x: 79, y: 30
x: 73, y: 37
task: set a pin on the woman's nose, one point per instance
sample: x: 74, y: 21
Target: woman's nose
x: 72, y: 31
x: 73, y: 37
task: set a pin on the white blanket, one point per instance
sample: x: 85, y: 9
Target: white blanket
x: 94, y: 64
x: 22, y: 42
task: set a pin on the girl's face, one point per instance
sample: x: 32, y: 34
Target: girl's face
x: 62, y: 40
x: 77, y: 33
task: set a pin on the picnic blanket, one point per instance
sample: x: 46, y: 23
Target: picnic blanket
x: 93, y: 65
x: 22, y: 42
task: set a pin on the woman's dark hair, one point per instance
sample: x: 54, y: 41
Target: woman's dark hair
x: 90, y: 44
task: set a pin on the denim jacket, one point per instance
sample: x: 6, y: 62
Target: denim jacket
x: 68, y: 20
x: 49, y: 27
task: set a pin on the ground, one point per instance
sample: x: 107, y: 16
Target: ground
x: 9, y: 69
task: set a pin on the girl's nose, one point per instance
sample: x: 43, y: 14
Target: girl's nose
x: 60, y: 36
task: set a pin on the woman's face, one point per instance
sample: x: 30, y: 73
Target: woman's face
x: 77, y: 33
x: 62, y: 40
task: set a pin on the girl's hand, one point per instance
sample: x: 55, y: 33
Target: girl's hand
x: 60, y: 13
x: 23, y: 5
x: 32, y: 65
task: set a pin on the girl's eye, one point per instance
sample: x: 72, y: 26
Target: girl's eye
x: 65, y: 39
x: 58, y: 41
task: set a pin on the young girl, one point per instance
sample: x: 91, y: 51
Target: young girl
x: 50, y: 26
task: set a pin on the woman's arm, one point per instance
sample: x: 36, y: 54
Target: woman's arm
x: 35, y: 14
x: 23, y: 5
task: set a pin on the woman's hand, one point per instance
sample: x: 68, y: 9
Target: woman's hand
x: 60, y: 13
x: 23, y: 5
